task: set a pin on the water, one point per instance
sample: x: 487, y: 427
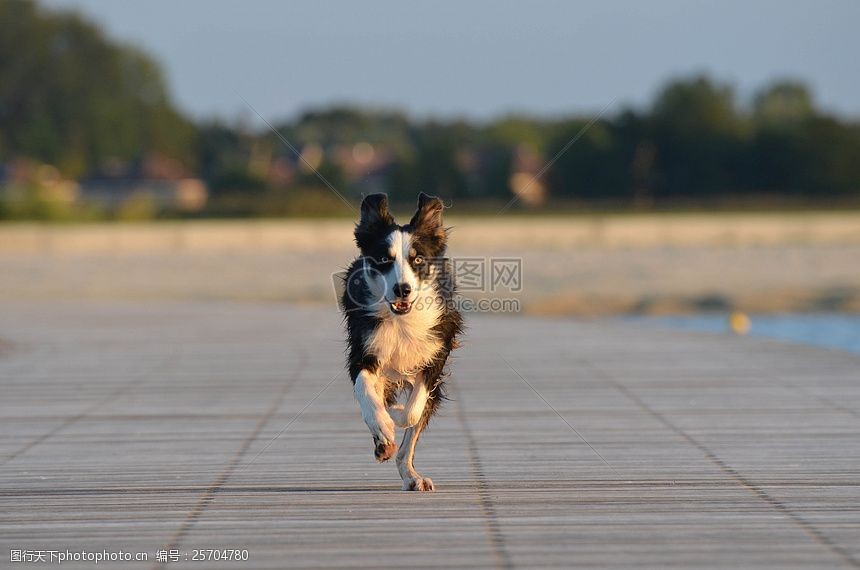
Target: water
x: 830, y: 330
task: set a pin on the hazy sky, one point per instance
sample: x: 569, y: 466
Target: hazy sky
x: 481, y: 59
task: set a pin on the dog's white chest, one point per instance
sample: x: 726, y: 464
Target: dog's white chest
x: 407, y: 343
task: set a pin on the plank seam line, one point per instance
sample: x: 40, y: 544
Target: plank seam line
x: 826, y: 401
x: 742, y: 481
x: 548, y: 486
x: 134, y: 382
x: 494, y: 531
x: 209, y: 493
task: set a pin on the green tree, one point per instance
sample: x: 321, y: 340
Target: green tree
x: 439, y: 169
x: 783, y: 102
x: 798, y: 151
x: 698, y: 137
x: 71, y: 97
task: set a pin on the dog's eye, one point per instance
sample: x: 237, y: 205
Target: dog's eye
x: 384, y: 259
x: 419, y: 260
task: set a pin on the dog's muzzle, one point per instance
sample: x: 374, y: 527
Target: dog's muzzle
x: 400, y: 306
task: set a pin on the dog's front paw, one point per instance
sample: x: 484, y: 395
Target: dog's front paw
x: 419, y: 484
x: 384, y: 450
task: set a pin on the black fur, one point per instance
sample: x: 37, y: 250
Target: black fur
x: 429, y: 241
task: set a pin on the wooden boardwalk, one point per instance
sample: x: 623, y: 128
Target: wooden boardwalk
x: 140, y: 427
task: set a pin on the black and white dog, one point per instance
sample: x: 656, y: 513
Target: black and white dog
x: 401, y: 325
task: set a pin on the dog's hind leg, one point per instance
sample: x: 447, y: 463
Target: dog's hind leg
x: 412, y: 480
x: 369, y: 391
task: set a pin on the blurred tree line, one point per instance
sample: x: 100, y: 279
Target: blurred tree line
x: 91, y: 108
x: 71, y: 97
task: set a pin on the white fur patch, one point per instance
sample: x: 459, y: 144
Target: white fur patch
x: 401, y: 272
x: 404, y: 343
x: 407, y: 342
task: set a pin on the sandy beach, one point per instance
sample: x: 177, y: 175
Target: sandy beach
x: 588, y: 266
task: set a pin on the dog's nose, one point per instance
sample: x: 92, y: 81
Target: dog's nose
x: 402, y: 290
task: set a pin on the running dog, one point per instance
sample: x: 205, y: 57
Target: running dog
x: 401, y: 325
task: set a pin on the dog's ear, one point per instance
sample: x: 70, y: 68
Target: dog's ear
x: 374, y: 216
x: 428, y: 217
x: 374, y: 210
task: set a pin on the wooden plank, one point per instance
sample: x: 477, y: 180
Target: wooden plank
x: 218, y: 425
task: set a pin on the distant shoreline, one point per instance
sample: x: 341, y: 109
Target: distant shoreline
x: 596, y: 266
x: 632, y: 230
